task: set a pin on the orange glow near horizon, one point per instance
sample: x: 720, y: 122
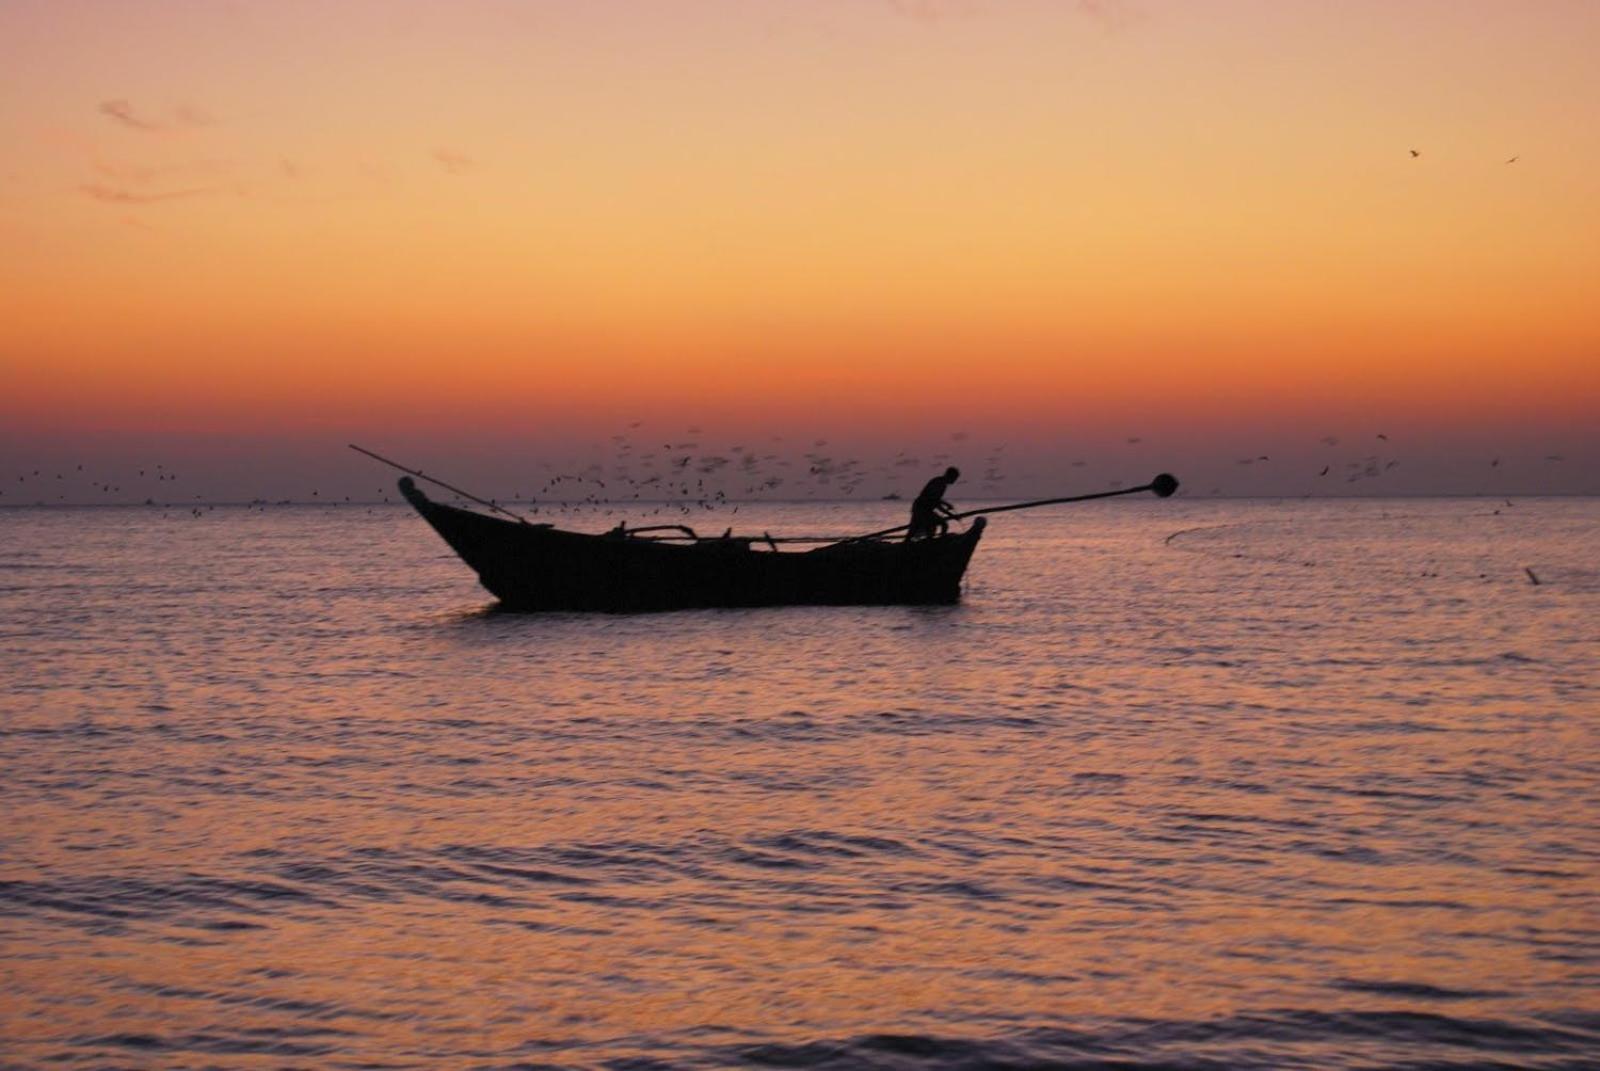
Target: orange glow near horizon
x: 280, y: 217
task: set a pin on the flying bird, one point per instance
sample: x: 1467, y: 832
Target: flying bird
x: 1514, y: 159
x: 1414, y: 153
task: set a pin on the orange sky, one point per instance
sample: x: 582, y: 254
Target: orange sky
x: 1062, y: 223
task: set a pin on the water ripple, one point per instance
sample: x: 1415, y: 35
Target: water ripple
x: 288, y: 792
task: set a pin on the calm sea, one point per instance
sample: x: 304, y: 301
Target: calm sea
x: 1180, y: 784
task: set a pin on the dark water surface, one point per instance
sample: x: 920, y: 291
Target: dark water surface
x: 1306, y: 785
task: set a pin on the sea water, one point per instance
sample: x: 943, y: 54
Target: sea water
x: 1178, y: 784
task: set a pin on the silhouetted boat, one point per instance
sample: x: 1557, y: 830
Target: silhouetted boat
x: 540, y: 567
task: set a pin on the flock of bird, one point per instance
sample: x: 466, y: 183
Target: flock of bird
x: 651, y: 475
x: 38, y: 484
x: 1368, y: 466
x: 684, y: 475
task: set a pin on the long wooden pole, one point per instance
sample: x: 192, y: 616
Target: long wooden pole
x: 1163, y: 485
x: 419, y: 474
x: 1155, y: 485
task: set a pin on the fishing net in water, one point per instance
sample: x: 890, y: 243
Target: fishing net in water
x: 1485, y: 544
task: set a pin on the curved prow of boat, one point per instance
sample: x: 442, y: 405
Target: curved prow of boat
x: 540, y: 567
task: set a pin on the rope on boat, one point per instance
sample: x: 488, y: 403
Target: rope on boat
x: 1163, y: 486
x: 419, y: 474
x: 689, y: 535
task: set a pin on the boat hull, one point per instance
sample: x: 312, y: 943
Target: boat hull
x: 537, y: 567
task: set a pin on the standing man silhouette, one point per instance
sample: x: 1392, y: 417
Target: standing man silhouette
x: 930, y: 513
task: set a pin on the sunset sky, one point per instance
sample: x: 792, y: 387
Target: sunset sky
x: 236, y: 235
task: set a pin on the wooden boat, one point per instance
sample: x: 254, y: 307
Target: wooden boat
x: 540, y: 567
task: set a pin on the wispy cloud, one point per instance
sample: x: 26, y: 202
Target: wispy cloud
x: 121, y: 111
x: 117, y: 195
x: 182, y: 117
x: 191, y: 172
x: 454, y: 162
